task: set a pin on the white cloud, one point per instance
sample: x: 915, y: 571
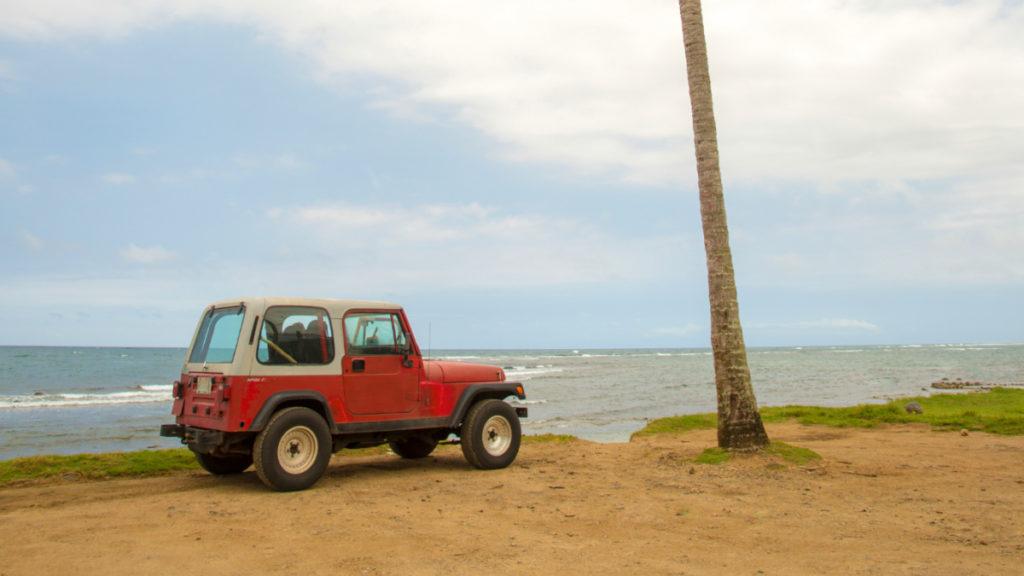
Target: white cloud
x: 958, y: 234
x: 31, y: 241
x: 466, y: 245
x: 678, y: 331
x: 146, y: 254
x: 839, y: 324
x: 829, y: 91
x: 821, y: 324
x: 375, y: 251
x: 289, y: 161
x: 118, y: 178
x: 285, y: 161
x: 818, y: 95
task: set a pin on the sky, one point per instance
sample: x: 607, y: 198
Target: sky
x: 517, y: 175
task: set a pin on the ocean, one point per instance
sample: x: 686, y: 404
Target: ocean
x: 56, y: 400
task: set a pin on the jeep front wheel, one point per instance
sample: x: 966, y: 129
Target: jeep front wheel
x: 490, y: 435
x: 293, y: 451
x: 413, y: 447
x: 221, y: 465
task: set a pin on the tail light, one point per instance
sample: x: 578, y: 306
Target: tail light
x: 225, y: 391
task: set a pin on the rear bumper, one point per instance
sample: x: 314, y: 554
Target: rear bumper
x: 172, y: 430
x: 198, y: 439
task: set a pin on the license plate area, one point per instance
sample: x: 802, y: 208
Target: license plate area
x: 204, y: 385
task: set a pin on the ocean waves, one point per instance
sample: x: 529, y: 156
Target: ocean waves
x: 143, y: 394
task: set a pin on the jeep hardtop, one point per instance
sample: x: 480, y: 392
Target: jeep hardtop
x: 283, y: 383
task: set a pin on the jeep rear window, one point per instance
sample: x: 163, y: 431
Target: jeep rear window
x: 218, y: 336
x: 295, y: 335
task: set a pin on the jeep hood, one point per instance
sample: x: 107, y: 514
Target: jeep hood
x: 450, y: 372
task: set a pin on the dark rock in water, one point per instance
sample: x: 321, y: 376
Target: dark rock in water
x: 959, y: 384
x: 39, y: 393
x: 913, y: 408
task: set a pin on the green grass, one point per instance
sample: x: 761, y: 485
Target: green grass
x: 713, y: 456
x: 154, y: 462
x: 792, y: 454
x: 549, y: 439
x: 110, y: 465
x: 789, y: 453
x: 677, y: 424
x: 998, y: 411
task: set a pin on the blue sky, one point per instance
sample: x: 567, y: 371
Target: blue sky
x: 515, y: 177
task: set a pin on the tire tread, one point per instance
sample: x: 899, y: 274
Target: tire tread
x: 257, y: 449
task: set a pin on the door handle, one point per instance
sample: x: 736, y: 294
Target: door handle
x: 358, y: 365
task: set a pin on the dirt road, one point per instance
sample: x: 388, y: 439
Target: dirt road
x: 901, y: 500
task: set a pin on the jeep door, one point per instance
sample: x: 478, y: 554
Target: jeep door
x: 379, y: 373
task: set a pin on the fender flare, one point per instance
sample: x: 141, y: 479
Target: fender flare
x: 474, y: 392
x: 292, y: 396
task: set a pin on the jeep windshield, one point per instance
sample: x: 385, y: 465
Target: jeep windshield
x: 218, y: 336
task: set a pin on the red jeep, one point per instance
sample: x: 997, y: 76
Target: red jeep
x: 264, y: 382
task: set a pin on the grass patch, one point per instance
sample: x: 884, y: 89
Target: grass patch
x: 156, y: 462
x: 110, y: 465
x: 713, y: 456
x: 998, y: 411
x: 677, y: 424
x: 792, y: 454
x: 789, y: 453
x: 549, y: 439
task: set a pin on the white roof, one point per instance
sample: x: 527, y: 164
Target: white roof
x: 334, y: 306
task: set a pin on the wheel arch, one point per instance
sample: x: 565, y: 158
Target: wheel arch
x: 477, y: 392
x: 311, y: 399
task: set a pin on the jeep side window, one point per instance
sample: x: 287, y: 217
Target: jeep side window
x: 401, y: 341
x: 374, y: 333
x: 295, y: 335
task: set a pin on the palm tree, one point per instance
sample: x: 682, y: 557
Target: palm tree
x: 739, y: 423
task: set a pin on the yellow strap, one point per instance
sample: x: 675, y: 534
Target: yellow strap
x: 278, y: 349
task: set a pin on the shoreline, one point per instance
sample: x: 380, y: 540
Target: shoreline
x: 96, y: 400
x: 998, y: 411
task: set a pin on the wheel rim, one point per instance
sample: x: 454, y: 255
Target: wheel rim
x: 297, y: 450
x: 497, y: 435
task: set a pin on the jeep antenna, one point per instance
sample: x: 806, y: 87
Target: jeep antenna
x: 430, y: 325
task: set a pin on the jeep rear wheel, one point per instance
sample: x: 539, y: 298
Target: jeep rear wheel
x: 413, y: 447
x: 490, y: 435
x: 293, y: 451
x: 221, y: 465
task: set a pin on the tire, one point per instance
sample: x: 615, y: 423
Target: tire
x: 490, y: 435
x: 222, y: 465
x: 293, y: 450
x: 413, y: 447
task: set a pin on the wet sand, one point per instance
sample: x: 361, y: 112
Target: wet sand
x: 897, y: 500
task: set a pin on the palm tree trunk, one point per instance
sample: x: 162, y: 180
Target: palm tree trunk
x: 739, y: 423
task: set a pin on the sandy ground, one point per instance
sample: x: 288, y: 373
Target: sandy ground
x: 902, y: 500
